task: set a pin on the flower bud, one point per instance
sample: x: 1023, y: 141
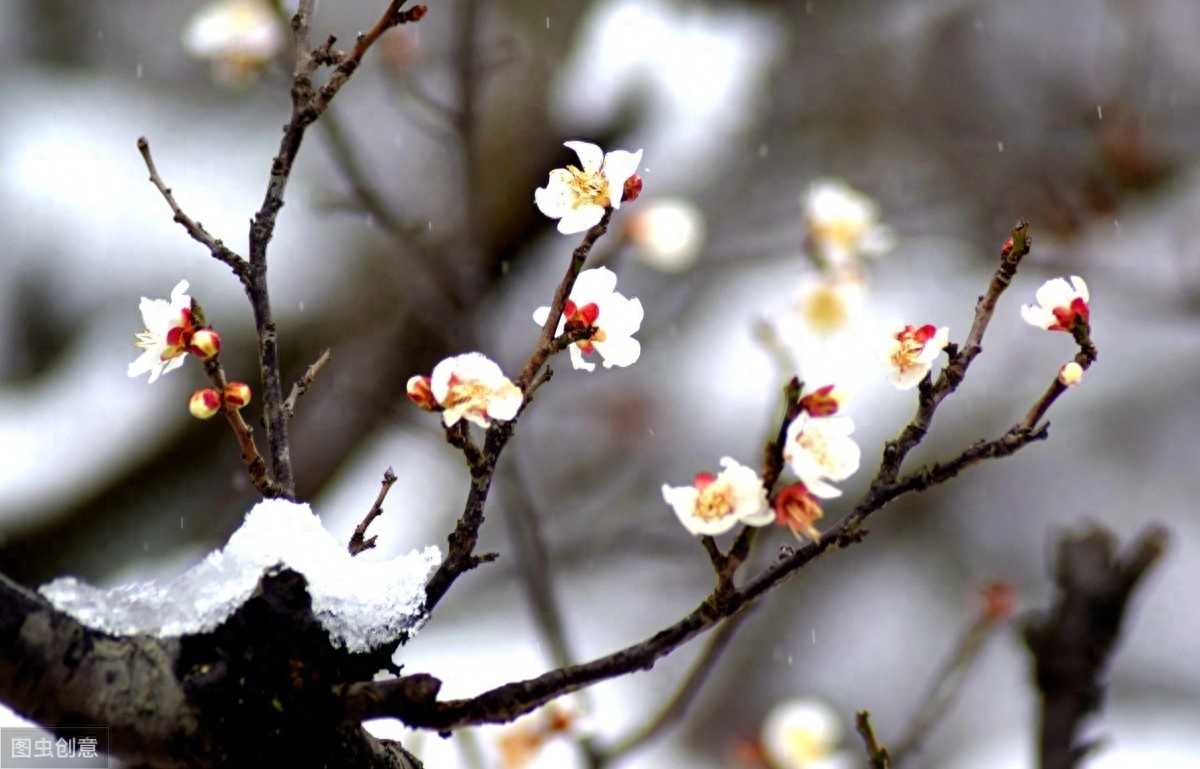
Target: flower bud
x: 205, y: 344
x: 632, y: 188
x: 420, y: 392
x: 1070, y: 374
x: 999, y: 600
x: 236, y: 395
x: 823, y: 402
x: 205, y: 403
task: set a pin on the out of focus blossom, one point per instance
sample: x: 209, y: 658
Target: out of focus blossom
x: 169, y: 328
x: 520, y: 743
x: 715, y: 504
x: 820, y: 449
x: 909, y: 351
x: 843, y: 224
x: 578, y: 197
x: 595, y: 303
x: 1061, y: 305
x: 803, y: 734
x: 473, y: 387
x: 799, y: 511
x: 239, y: 37
x: 1070, y: 374
x: 666, y: 234
x: 823, y: 401
x: 827, y: 304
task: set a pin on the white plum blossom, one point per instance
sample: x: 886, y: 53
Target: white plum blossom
x: 1061, y: 305
x: 578, y: 197
x: 820, y: 449
x: 169, y: 327
x: 714, y: 505
x: 843, y: 223
x: 909, y: 351
x: 238, y: 36
x: 595, y: 303
x: 803, y: 734
x: 666, y: 234
x: 473, y: 387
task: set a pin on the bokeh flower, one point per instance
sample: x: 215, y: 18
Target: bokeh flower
x: 239, y: 37
x: 803, y: 734
x: 820, y: 449
x: 666, y: 234
x: 843, y: 224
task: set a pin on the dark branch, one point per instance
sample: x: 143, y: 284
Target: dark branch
x: 357, y: 541
x: 1073, y: 641
x: 304, y: 382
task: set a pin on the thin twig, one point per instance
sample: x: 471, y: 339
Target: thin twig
x: 511, y: 700
x: 357, y: 541
x: 194, y: 229
x: 302, y: 384
x: 877, y: 755
x: 256, y: 466
x: 945, y: 686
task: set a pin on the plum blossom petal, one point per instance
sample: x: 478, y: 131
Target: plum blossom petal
x: 473, y: 387
x: 169, y: 327
x: 239, y: 37
x: 714, y: 505
x: 1061, y: 305
x: 820, y: 449
x: 595, y: 303
x: 578, y: 197
x: 909, y: 351
x: 666, y: 234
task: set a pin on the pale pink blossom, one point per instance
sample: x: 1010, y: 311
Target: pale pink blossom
x: 820, y: 449
x: 169, y: 328
x: 594, y: 302
x: 472, y: 387
x: 578, y: 197
x: 715, y: 504
x: 909, y: 351
x: 1061, y: 305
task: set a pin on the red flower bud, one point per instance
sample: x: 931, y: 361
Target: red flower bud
x: 205, y: 404
x: 236, y: 395
x: 204, y: 344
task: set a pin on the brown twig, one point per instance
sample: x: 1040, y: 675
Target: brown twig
x: 514, y: 699
x: 357, y: 541
x: 256, y: 466
x: 460, y: 556
x: 194, y: 229
x: 307, y: 106
x: 1073, y: 641
x: 303, y: 383
x: 877, y: 755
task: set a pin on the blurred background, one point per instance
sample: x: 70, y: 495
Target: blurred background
x: 410, y: 234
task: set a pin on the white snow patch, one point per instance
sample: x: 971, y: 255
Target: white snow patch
x: 362, y: 602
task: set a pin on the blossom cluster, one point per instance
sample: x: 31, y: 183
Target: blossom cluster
x: 817, y: 448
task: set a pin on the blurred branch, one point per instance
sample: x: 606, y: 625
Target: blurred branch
x: 677, y: 707
x: 1072, y: 641
x: 945, y: 686
x: 357, y: 541
x: 877, y: 755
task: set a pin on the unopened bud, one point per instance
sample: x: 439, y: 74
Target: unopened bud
x: 999, y: 600
x: 236, y: 395
x: 633, y: 188
x: 205, y: 344
x: 1070, y: 374
x: 205, y: 404
x: 420, y: 392
x: 823, y: 402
